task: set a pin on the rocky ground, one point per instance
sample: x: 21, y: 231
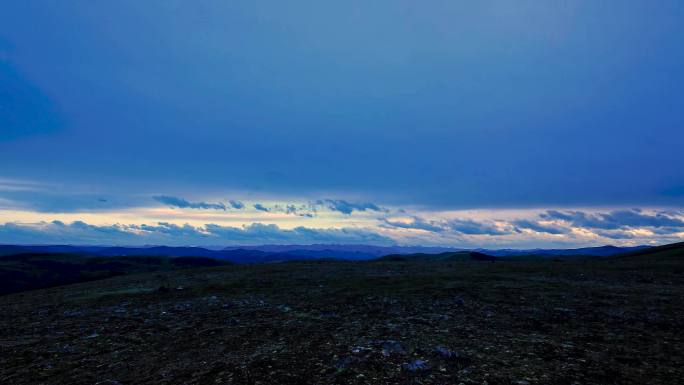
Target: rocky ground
x: 573, y: 322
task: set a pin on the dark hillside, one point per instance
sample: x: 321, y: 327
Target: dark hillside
x: 674, y: 251
x: 459, y: 256
x: 22, y: 272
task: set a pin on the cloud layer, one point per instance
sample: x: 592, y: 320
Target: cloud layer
x: 561, y: 225
x: 617, y: 219
x: 32, y: 220
x: 79, y: 232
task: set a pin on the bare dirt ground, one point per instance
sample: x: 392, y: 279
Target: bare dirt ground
x: 615, y: 321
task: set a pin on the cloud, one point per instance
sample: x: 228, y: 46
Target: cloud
x: 79, y: 232
x: 667, y: 230
x: 616, y: 219
x: 236, y: 204
x: 300, y: 211
x: 540, y: 228
x: 462, y: 226
x: 471, y: 227
x: 9, y: 184
x: 615, y: 234
x: 291, y: 209
x: 172, y: 229
x: 57, y: 232
x: 55, y: 199
x: 261, y: 207
x: 415, y: 223
x: 265, y: 233
x: 182, y: 203
x: 348, y: 207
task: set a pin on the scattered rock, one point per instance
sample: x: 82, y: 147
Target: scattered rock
x: 561, y: 314
x: 108, y: 382
x: 416, y: 366
x: 452, y: 356
x: 345, y: 362
x: 392, y: 347
x: 74, y: 313
x: 446, y: 353
x: 163, y: 290
x: 360, y: 349
x: 65, y: 349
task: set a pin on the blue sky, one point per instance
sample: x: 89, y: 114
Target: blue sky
x: 435, y: 122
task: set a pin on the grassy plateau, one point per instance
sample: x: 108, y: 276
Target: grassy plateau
x: 415, y: 320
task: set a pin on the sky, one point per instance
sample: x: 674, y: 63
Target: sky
x: 467, y: 124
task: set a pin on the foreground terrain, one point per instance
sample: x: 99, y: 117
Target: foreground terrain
x: 597, y: 321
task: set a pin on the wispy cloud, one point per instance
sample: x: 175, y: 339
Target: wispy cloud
x: 416, y: 223
x: 539, y: 227
x: 301, y: 211
x: 236, y: 204
x: 346, y: 207
x: 460, y: 226
x: 10, y: 184
x: 472, y: 227
x: 261, y: 207
x: 182, y: 203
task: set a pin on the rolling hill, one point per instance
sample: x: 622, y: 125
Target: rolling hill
x: 459, y: 256
x: 23, y: 272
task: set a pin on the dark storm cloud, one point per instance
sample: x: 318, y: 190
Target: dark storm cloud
x: 182, y: 203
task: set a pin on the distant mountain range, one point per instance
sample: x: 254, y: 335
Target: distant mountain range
x: 280, y: 253
x: 601, y: 251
